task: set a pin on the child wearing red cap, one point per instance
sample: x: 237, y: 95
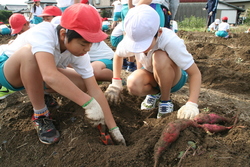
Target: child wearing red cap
x: 18, y: 23
x: 50, y: 12
x: 223, y: 29
x: 166, y: 65
x: 35, y: 11
x: 42, y: 55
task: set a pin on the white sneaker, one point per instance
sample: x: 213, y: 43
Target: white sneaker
x: 150, y: 101
x: 165, y: 108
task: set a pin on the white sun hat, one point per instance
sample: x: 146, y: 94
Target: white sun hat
x: 217, y: 21
x: 140, y: 25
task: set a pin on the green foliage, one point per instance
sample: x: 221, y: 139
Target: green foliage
x: 247, y: 20
x: 192, y: 23
x: 4, y: 15
x: 106, y: 13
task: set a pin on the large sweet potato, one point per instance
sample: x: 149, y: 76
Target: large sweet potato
x: 214, y: 128
x: 170, y: 133
x: 211, y: 118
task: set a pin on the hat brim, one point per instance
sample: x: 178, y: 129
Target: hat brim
x: 45, y: 14
x: 16, y: 30
x: 92, y: 37
x: 136, y: 47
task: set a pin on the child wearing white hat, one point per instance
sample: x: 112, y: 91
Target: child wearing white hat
x: 166, y: 64
x: 214, y: 26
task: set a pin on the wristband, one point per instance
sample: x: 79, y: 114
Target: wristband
x: 117, y: 78
x: 87, y: 103
x: 113, y: 128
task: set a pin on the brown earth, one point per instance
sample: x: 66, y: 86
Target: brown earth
x: 225, y: 66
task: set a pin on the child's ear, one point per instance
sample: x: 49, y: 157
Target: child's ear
x: 62, y: 34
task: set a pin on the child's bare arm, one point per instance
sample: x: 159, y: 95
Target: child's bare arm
x: 194, y: 83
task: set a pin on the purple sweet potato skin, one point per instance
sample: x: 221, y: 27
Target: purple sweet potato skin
x: 211, y: 118
x: 170, y: 134
x: 214, y: 128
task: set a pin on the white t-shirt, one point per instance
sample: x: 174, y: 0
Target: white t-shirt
x: 174, y: 26
x: 134, y: 2
x: 43, y: 38
x: 169, y: 42
x: 106, y: 23
x: 157, y: 1
x: 117, y: 31
x: 3, y: 48
x: 213, y: 26
x: 223, y: 26
x: 117, y: 6
x: 100, y: 51
x: 64, y: 3
x: 39, y: 10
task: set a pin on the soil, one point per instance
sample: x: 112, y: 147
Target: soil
x: 225, y: 67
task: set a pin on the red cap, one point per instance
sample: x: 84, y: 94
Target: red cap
x: 84, y: 1
x: 85, y: 20
x: 16, y: 22
x: 51, y: 11
x: 224, y: 18
x: 104, y: 18
x: 36, y: 0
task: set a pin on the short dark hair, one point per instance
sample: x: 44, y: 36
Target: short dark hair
x: 70, y: 34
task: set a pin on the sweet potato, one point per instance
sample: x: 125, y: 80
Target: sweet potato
x: 211, y: 118
x: 169, y: 134
x: 214, y: 128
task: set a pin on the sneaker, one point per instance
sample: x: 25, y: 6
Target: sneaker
x: 50, y: 101
x: 150, y: 101
x: 46, y: 130
x: 131, y: 67
x: 4, y: 92
x: 165, y: 108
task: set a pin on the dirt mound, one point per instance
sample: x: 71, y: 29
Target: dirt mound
x: 224, y: 64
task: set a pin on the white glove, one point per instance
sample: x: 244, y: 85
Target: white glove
x: 210, y: 13
x: 113, y: 92
x: 117, y: 136
x: 93, y: 112
x: 188, y: 111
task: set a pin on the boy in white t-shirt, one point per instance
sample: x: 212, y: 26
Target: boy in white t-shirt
x: 165, y: 60
x: 38, y: 59
x: 223, y: 29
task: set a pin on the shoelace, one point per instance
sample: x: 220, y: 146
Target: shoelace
x: 165, y: 108
x: 150, y: 100
x: 46, y: 123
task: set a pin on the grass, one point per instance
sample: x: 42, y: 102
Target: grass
x: 197, y: 24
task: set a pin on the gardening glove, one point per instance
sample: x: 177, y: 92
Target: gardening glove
x: 188, y: 111
x: 93, y: 112
x: 210, y: 13
x: 117, y: 136
x: 113, y: 92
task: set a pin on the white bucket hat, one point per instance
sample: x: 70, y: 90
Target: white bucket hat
x: 140, y: 25
x: 217, y: 21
